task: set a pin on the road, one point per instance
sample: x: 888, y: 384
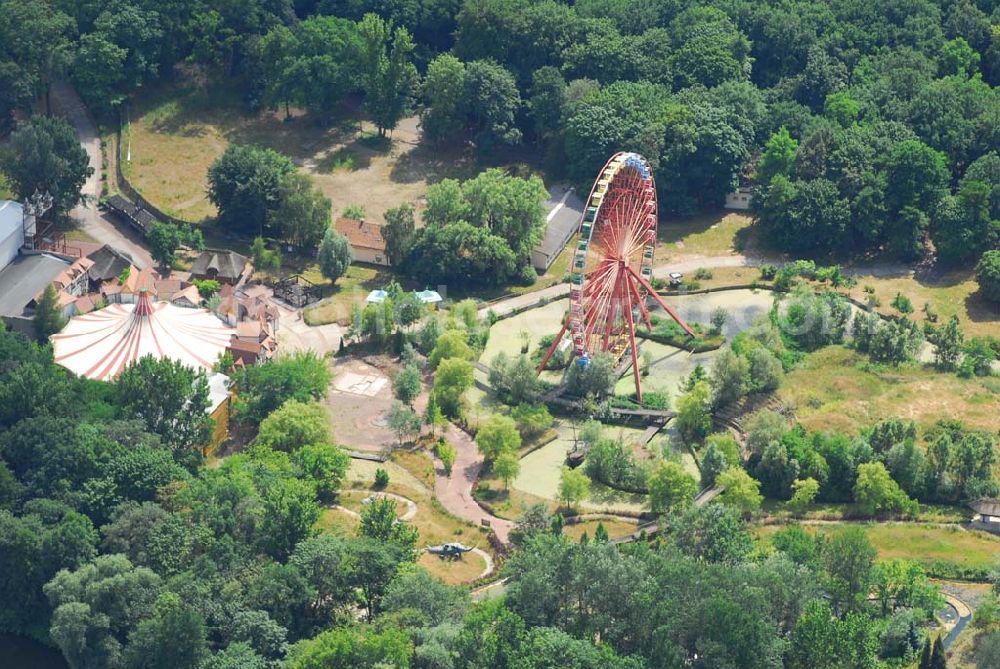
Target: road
x: 87, y: 216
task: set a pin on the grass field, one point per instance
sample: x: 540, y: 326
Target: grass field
x: 711, y: 234
x: 955, y: 293
x: 615, y: 528
x: 834, y: 389
x: 928, y: 513
x: 924, y: 543
x: 350, y: 289
x: 433, y: 524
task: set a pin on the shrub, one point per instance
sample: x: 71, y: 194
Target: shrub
x: 902, y: 304
x: 768, y: 271
x: 703, y: 274
x: 988, y: 275
x: 381, y: 478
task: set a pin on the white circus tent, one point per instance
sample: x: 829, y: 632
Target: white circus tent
x: 99, y: 345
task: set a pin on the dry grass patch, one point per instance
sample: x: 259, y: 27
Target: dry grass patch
x: 615, y: 528
x: 336, y: 521
x: 835, y: 389
x: 418, y: 463
x: 453, y: 572
x: 954, y: 293
x: 711, y: 234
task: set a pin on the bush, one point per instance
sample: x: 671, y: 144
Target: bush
x: 988, y: 275
x: 768, y: 272
x: 527, y: 276
x: 902, y: 304
x: 381, y: 478
x: 206, y: 287
x: 610, y: 461
x: 703, y: 274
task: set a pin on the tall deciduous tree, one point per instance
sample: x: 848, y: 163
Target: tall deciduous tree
x: 169, y: 397
x: 388, y: 74
x: 245, y: 184
x: 334, y: 255
x: 46, y: 156
x: 48, y: 318
x: 303, y: 212
x: 670, y: 488
x: 398, y: 233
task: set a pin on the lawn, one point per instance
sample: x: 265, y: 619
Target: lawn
x: 924, y: 543
x: 836, y: 389
x: 711, y: 234
x: 434, y: 525
x: 954, y: 293
x: 350, y: 289
x: 615, y: 528
x: 928, y: 513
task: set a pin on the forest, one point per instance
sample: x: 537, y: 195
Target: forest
x: 864, y: 128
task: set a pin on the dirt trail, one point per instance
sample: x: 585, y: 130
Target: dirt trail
x: 87, y: 215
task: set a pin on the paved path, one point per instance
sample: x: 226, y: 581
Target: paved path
x: 295, y: 335
x: 87, y: 216
x: 455, y: 491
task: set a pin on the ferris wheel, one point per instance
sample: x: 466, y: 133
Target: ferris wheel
x: 613, y: 265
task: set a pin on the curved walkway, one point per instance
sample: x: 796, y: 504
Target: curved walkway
x: 411, y: 506
x: 91, y: 220
x: 455, y: 491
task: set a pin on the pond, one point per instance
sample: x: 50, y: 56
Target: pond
x: 19, y: 652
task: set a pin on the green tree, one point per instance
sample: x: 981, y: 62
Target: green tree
x: 498, y: 435
x: 324, y: 464
x: 451, y: 344
x: 407, y: 384
x: 804, y: 492
x: 963, y: 227
x: 39, y: 39
x: 778, y: 156
x: 174, y: 636
x: 398, y: 233
x: 713, y: 463
x: 444, y: 92
x: 507, y: 467
x: 48, y: 318
x: 957, y: 58
x: 741, y: 492
x: 169, y: 397
x: 848, y: 559
x: 492, y: 102
x: 545, y: 105
x: 45, y: 156
x: 164, y: 240
x: 447, y: 453
x: 595, y: 379
x: 244, y: 183
x: 574, y: 486
x: 357, y: 646
x: 841, y: 108
x: 452, y: 378
x: 334, y: 255
x: 532, y: 419
x: 387, y: 72
x: 379, y: 521
x: 694, y: 413
x: 301, y: 376
x: 295, y: 424
x: 670, y: 488
x: 404, y: 421
x: 948, y: 342
x: 988, y: 275
x: 303, y: 212
x: 730, y: 378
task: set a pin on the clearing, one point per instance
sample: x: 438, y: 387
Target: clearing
x: 923, y: 543
x: 837, y: 389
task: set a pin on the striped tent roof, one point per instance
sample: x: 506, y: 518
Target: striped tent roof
x: 99, y: 345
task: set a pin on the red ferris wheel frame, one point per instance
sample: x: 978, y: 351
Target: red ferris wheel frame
x: 613, y: 265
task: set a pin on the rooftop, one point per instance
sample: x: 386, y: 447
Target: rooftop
x: 108, y: 263
x: 361, y: 234
x: 25, y: 278
x: 219, y: 262
x: 11, y: 218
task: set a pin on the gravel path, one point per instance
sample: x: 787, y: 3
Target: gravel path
x: 88, y: 217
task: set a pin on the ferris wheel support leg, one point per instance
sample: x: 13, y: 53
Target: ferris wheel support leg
x: 552, y: 348
x: 659, y: 300
x: 633, y: 353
